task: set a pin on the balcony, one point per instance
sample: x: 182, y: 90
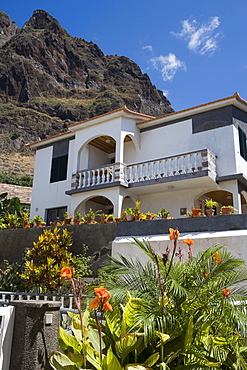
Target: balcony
x: 184, y: 166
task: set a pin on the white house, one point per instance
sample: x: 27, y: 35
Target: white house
x: 174, y: 161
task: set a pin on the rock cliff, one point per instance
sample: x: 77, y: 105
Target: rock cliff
x: 49, y: 79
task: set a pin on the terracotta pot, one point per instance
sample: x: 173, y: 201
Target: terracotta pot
x: 103, y: 219
x: 196, y: 212
x: 57, y: 223
x: 226, y: 211
x: 25, y: 224
x: 67, y: 221
x: 11, y: 225
x: 38, y: 223
x: 149, y: 217
x: 129, y: 217
x: 110, y: 219
x: 137, y: 218
x: 90, y: 220
x: 76, y: 221
x: 164, y: 216
x: 117, y: 219
x: 210, y: 212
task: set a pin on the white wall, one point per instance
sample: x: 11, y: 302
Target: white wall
x: 45, y: 194
x: 234, y: 240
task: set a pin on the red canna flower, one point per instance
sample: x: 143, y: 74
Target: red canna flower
x: 102, y: 292
x: 188, y: 241
x: 226, y: 292
x: 66, y: 272
x: 107, y: 305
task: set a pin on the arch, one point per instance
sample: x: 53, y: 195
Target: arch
x: 97, y: 203
x: 98, y: 150
x: 129, y: 201
x: 133, y: 139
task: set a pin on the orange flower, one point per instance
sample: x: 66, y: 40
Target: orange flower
x: 226, y: 292
x: 217, y: 257
x: 101, y: 292
x: 101, y: 301
x: 66, y: 272
x: 188, y: 241
x: 174, y: 234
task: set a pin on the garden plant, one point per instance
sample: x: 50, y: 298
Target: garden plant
x: 167, y: 314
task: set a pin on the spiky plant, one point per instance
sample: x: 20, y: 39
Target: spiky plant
x: 199, y: 303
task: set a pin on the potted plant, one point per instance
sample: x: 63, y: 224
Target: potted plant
x: 210, y: 206
x: 67, y: 218
x: 77, y: 218
x: 227, y: 210
x: 110, y: 217
x: 163, y: 213
x: 12, y: 219
x: 24, y: 217
x: 103, y: 217
x: 196, y: 211
x: 150, y: 216
x: 129, y: 213
x: 90, y: 216
x: 137, y: 211
x: 38, y: 220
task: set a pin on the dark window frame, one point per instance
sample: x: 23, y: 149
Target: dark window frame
x: 59, y: 167
x: 242, y: 143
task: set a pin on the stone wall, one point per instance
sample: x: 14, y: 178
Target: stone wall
x: 99, y: 237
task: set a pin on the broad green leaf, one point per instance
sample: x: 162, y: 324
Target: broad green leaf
x: 94, y: 339
x: 93, y: 357
x: 59, y: 361
x: 133, y: 306
x: 127, y: 344
x: 189, y: 333
x: 163, y: 338
x: 110, y: 361
x: 68, y: 342
x: 113, y: 320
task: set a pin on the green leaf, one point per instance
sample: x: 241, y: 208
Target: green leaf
x: 127, y: 344
x: 68, y: 342
x: 113, y: 320
x: 59, y: 361
x: 94, y: 339
x: 110, y: 361
x: 152, y: 359
x: 93, y: 357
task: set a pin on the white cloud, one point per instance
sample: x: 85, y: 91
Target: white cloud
x: 147, y: 47
x: 166, y: 92
x: 168, y: 65
x: 202, y: 38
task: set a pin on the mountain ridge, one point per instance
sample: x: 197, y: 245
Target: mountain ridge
x: 49, y: 79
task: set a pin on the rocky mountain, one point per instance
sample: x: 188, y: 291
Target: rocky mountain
x: 49, y: 79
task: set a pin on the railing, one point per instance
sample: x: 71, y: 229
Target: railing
x: 192, y: 162
x: 65, y: 299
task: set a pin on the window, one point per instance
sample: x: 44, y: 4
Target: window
x: 59, y: 168
x: 242, y: 143
x: 53, y: 214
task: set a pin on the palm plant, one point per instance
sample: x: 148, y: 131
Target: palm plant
x: 198, y: 303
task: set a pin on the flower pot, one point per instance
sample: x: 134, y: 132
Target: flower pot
x: 11, y: 225
x: 210, y: 212
x: 38, y: 223
x: 89, y: 220
x: 164, y: 216
x: 226, y: 211
x: 67, y: 221
x: 196, y: 212
x: 149, y: 217
x: 25, y: 224
x: 117, y: 219
x: 137, y: 218
x: 103, y: 219
x: 76, y: 221
x: 110, y: 219
x: 129, y: 217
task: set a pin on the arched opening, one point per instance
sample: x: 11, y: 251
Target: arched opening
x: 128, y: 202
x: 130, y: 147
x: 97, y: 203
x: 97, y: 152
x: 222, y: 197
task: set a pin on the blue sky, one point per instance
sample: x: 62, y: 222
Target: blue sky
x: 194, y: 51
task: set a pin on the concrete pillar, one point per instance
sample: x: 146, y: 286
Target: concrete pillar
x: 35, y: 334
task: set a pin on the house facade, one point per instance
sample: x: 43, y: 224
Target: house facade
x: 175, y: 161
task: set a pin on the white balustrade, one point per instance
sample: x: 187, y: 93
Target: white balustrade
x: 187, y: 163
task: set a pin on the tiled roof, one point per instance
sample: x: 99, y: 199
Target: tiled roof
x: 24, y: 193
